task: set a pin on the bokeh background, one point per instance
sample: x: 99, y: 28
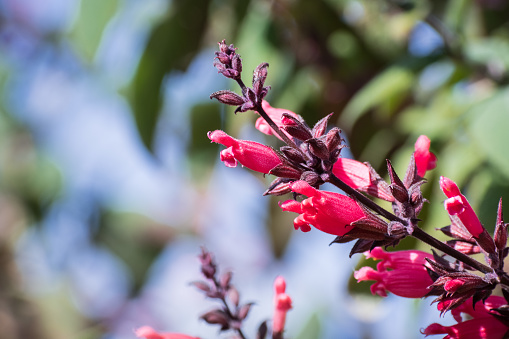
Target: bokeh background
x: 109, y: 185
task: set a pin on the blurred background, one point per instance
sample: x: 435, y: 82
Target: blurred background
x: 109, y: 185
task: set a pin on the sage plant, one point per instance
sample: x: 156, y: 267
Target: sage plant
x: 311, y: 156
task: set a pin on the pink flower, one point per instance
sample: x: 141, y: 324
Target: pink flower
x: 329, y: 212
x: 482, y: 324
x: 149, y: 333
x: 275, y: 114
x: 407, y: 276
x: 352, y: 172
x: 407, y: 283
x: 250, y: 154
x: 398, y: 259
x: 481, y: 328
x: 481, y: 310
x: 282, y: 304
x: 458, y: 205
x: 424, y: 159
x: 357, y: 175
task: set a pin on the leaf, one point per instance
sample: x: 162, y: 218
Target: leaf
x: 93, y: 18
x: 171, y: 46
x: 202, y: 154
x: 386, y: 88
x: 312, y: 328
x: 493, y: 52
x: 488, y: 127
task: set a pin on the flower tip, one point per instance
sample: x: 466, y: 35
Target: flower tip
x: 147, y: 332
x: 279, y: 284
x: 422, y: 142
x: 302, y: 187
x: 449, y: 187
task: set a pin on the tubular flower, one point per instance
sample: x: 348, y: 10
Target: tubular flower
x: 424, y: 159
x: 149, y: 333
x: 458, y: 205
x: 482, y: 323
x: 407, y: 278
x: 276, y: 114
x: 482, y: 328
x: 329, y: 212
x: 250, y: 154
x: 407, y: 259
x: 358, y: 175
x: 405, y: 282
x: 481, y: 310
x: 282, y: 304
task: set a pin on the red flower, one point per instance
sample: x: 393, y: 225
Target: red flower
x: 250, y: 154
x: 398, y: 259
x: 458, y: 205
x: 282, y: 304
x: 482, y: 324
x: 327, y: 211
x: 275, y: 114
x: 357, y: 175
x: 149, y: 333
x: 424, y: 159
x: 481, y: 328
x: 407, y: 278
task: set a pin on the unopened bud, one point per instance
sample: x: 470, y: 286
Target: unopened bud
x: 500, y: 229
x: 333, y: 139
x: 296, y: 128
x: 318, y: 148
x: 321, y: 126
x: 228, y: 97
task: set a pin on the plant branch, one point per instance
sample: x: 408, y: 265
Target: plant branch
x: 417, y: 232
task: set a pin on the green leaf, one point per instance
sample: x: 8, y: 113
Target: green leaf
x: 93, y: 18
x: 493, y: 52
x: 488, y: 127
x: 312, y: 328
x: 202, y: 154
x: 385, y: 89
x: 171, y: 46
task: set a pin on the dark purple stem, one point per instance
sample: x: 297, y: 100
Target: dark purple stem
x: 417, y: 232
x: 227, y: 308
x: 265, y: 116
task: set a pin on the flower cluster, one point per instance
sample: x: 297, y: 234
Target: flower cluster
x: 311, y: 157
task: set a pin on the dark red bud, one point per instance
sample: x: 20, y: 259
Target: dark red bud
x: 296, y: 128
x: 318, y: 148
x: 224, y: 280
x: 233, y: 295
x: 201, y: 285
x: 216, y: 317
x: 500, y: 229
x: 262, y: 331
x: 279, y: 186
x: 237, y: 63
x: 244, y: 310
x: 400, y: 194
x: 285, y: 171
x: 333, y: 139
x: 321, y: 126
x: 259, y: 76
x: 228, y: 97
x: 485, y: 241
x: 311, y: 178
x: 395, y: 180
x: 292, y: 154
x: 223, y: 58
